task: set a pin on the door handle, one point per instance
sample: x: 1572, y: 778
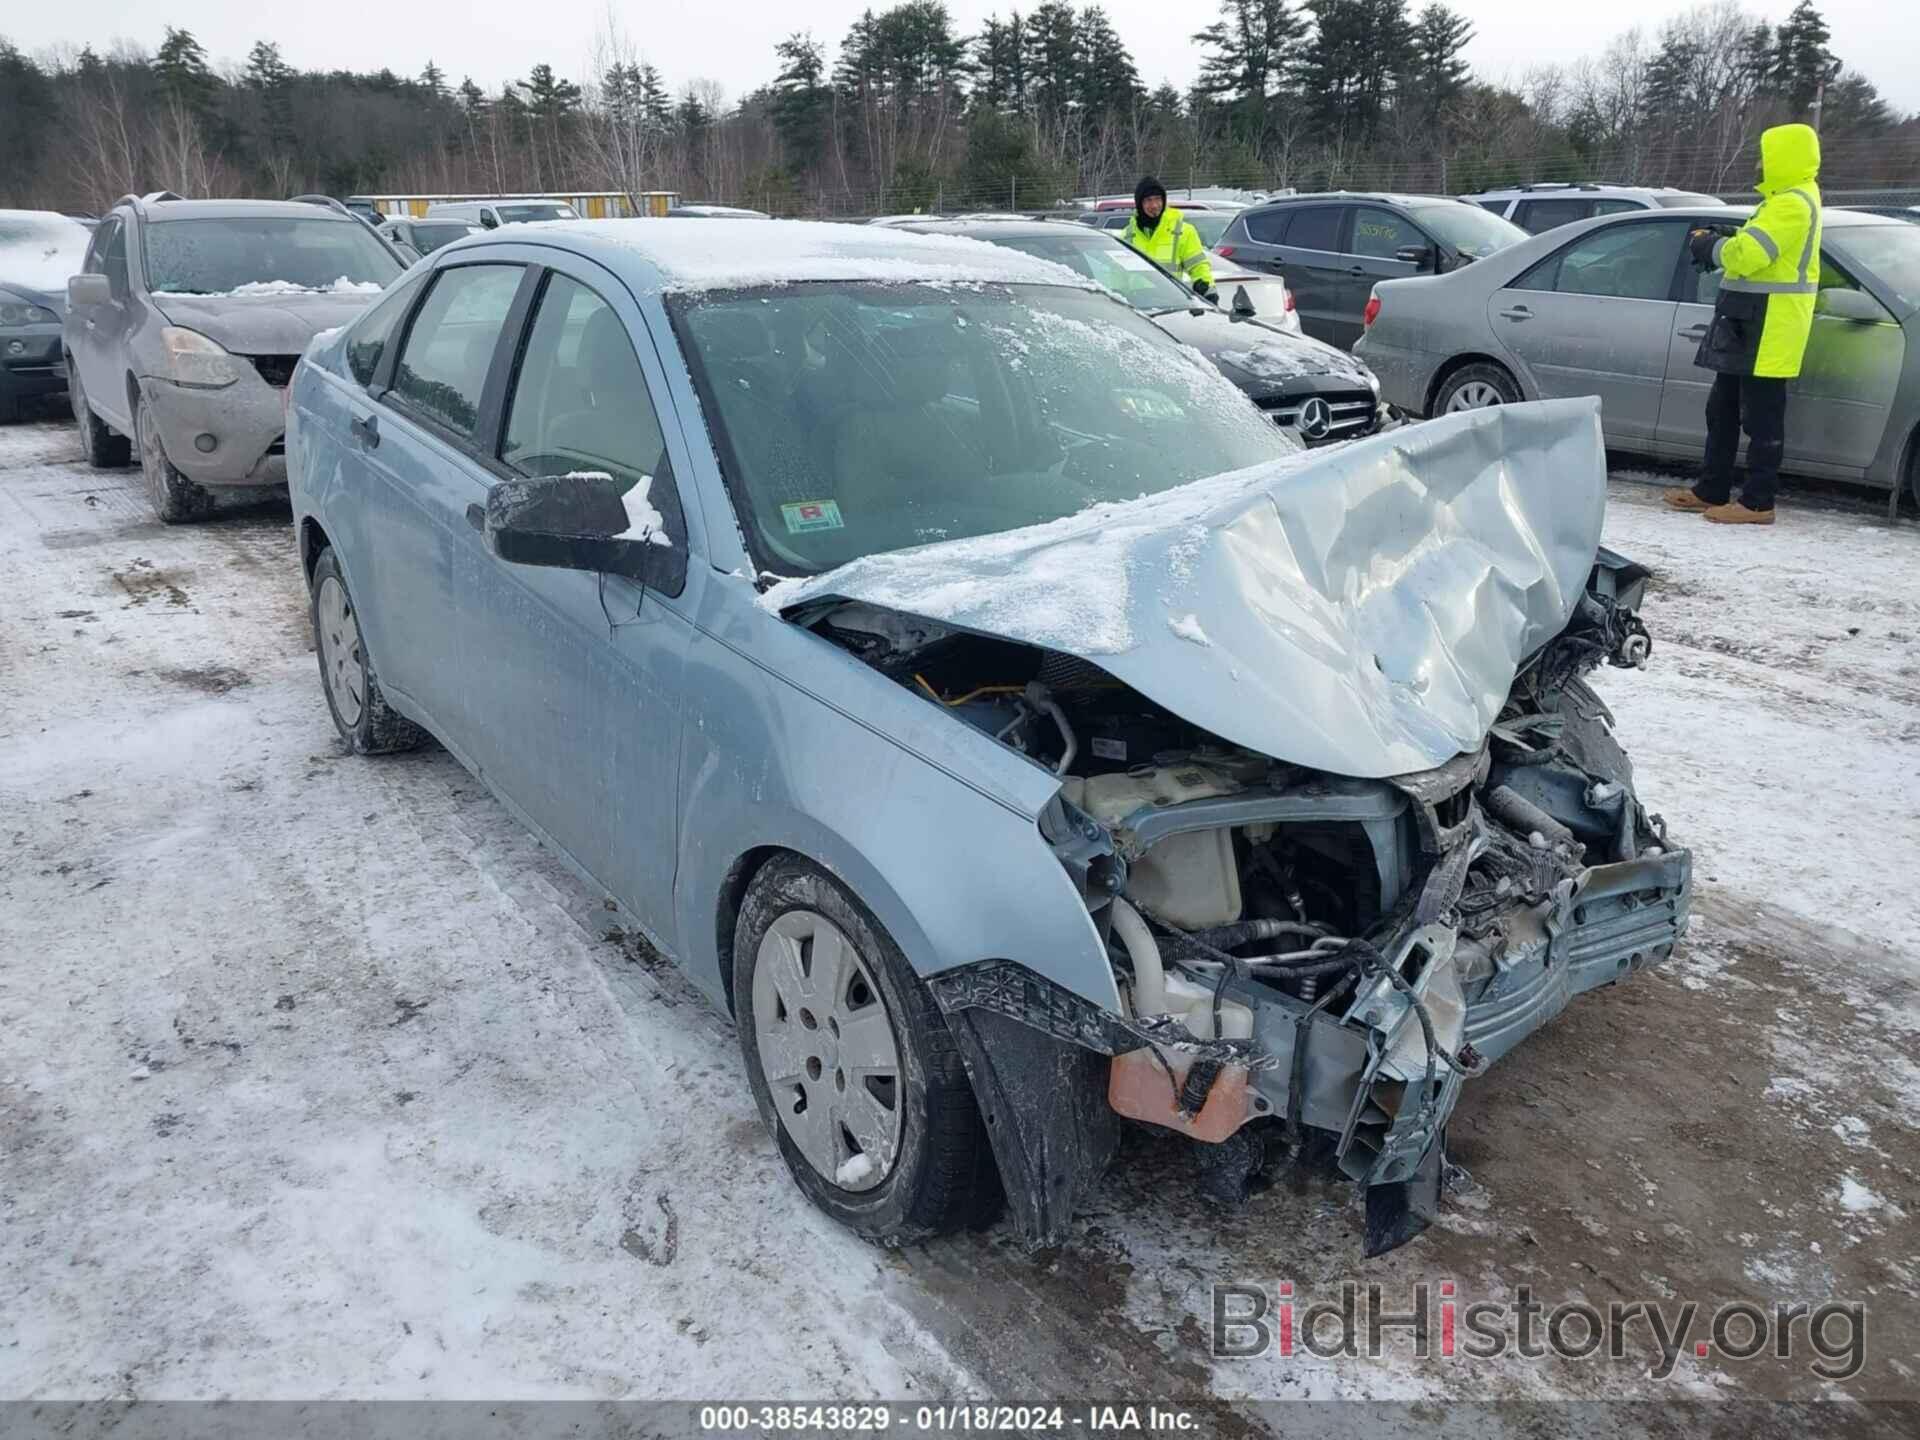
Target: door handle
x: 1356, y: 270
x: 367, y: 428
x: 1518, y: 312
x: 1694, y: 332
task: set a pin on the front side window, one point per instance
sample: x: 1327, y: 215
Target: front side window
x: 449, y: 349
x: 1622, y: 262
x: 257, y: 256
x: 852, y: 419
x: 374, y: 330
x: 1381, y: 234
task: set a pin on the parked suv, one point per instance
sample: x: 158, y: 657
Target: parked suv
x: 184, y: 326
x: 1545, y: 206
x: 1333, y: 247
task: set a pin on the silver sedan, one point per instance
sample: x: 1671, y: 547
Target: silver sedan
x: 1613, y: 307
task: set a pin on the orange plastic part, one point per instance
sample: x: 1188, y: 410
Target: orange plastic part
x: 1137, y: 1087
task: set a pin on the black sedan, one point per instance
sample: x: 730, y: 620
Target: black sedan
x: 1321, y: 393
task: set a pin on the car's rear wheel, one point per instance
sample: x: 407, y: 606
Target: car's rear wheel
x: 105, y: 449
x: 360, y: 712
x: 852, y: 1064
x: 176, y: 499
x: 1475, y: 387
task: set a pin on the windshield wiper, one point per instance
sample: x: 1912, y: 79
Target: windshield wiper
x: 1176, y: 309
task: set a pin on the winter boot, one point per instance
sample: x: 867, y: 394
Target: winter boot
x: 1734, y: 513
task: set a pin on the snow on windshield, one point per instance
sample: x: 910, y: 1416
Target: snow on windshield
x: 738, y: 254
x: 341, y: 285
x: 265, y: 255
x: 40, y: 250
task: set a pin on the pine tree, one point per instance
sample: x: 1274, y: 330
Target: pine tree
x: 1053, y: 59
x: 1251, y: 47
x: 1109, y: 82
x: 1437, y: 75
x: 1802, y: 63
x: 1853, y: 106
x: 473, y: 100
x: 1000, y: 56
x: 1346, y: 73
x: 801, y: 100
x: 181, y: 68
x: 434, y: 81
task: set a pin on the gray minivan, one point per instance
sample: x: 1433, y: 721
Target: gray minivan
x: 1333, y: 247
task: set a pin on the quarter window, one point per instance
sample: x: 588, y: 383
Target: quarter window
x: 580, y: 403
x: 1268, y: 227
x: 370, y: 337
x: 443, y: 367
x: 1534, y: 216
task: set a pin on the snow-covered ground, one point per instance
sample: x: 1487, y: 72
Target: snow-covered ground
x: 318, y: 1078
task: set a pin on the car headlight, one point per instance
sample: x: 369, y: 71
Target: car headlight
x: 16, y: 311
x: 190, y: 358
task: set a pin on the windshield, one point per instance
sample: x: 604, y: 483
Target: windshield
x: 41, y: 252
x: 510, y: 213
x: 1890, y: 253
x: 854, y: 419
x: 1468, y: 228
x: 1210, y: 225
x: 264, y: 256
x: 1119, y: 267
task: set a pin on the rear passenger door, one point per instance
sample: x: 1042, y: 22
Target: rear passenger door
x: 417, y: 454
x: 1311, y: 253
x: 574, y: 679
x: 1595, y: 318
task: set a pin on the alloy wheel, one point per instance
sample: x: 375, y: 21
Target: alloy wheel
x: 1474, y: 395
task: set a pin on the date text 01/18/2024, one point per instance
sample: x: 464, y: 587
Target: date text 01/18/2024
x: 963, y: 1418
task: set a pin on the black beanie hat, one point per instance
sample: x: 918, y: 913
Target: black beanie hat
x: 1147, y: 186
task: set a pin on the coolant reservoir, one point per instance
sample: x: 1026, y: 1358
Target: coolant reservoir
x: 1189, y: 880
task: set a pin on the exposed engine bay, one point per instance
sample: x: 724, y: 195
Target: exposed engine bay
x: 1300, y: 952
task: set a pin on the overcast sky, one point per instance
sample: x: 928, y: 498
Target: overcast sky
x: 732, y: 40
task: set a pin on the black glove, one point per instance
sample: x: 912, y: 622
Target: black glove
x: 1700, y: 245
x: 1204, y: 290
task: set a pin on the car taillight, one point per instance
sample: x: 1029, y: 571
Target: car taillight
x: 1289, y: 300
x: 1372, y: 312
x: 1225, y: 252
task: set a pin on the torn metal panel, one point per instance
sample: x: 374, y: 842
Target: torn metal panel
x: 1362, y: 610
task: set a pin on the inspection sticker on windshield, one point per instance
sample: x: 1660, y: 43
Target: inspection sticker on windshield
x: 804, y: 515
x: 1130, y: 259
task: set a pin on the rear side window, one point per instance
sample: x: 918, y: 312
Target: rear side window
x: 448, y: 351
x: 1495, y: 207
x: 378, y: 327
x: 1533, y: 216
x: 1616, y: 207
x: 1268, y: 227
x: 1317, y: 228
x: 1622, y: 262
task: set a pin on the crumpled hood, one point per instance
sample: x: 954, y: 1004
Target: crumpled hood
x: 1259, y: 357
x: 1360, y: 610
x: 267, y: 325
x: 1789, y: 156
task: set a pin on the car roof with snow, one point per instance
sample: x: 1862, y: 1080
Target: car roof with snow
x: 680, y: 255
x: 239, y: 210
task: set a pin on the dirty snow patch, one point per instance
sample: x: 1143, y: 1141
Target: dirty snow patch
x: 1856, y: 1198
x: 1187, y: 627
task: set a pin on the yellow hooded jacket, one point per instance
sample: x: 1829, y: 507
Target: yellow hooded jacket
x: 1771, y: 266
x: 1172, y: 242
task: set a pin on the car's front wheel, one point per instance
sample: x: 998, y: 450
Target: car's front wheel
x: 1475, y: 387
x: 105, y: 449
x: 852, y: 1064
x: 176, y: 499
x: 360, y: 712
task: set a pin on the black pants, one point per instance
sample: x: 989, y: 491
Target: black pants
x: 1759, y: 403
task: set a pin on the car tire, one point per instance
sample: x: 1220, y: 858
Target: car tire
x: 361, y: 714
x: 922, y: 1164
x: 1476, y: 387
x: 106, y: 449
x: 176, y: 499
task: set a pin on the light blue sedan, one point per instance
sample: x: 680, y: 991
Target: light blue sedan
x: 1015, y: 730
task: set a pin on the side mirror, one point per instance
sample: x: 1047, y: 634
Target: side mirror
x: 1242, y: 303
x: 578, y: 522
x: 1418, y: 256
x: 1851, y: 305
x: 89, y: 290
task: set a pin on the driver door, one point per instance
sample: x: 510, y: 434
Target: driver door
x: 575, y: 678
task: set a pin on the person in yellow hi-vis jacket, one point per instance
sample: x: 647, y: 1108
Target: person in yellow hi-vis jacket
x: 1770, y: 278
x: 1159, y: 232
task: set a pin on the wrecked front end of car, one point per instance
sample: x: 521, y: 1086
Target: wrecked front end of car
x: 1339, y: 798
